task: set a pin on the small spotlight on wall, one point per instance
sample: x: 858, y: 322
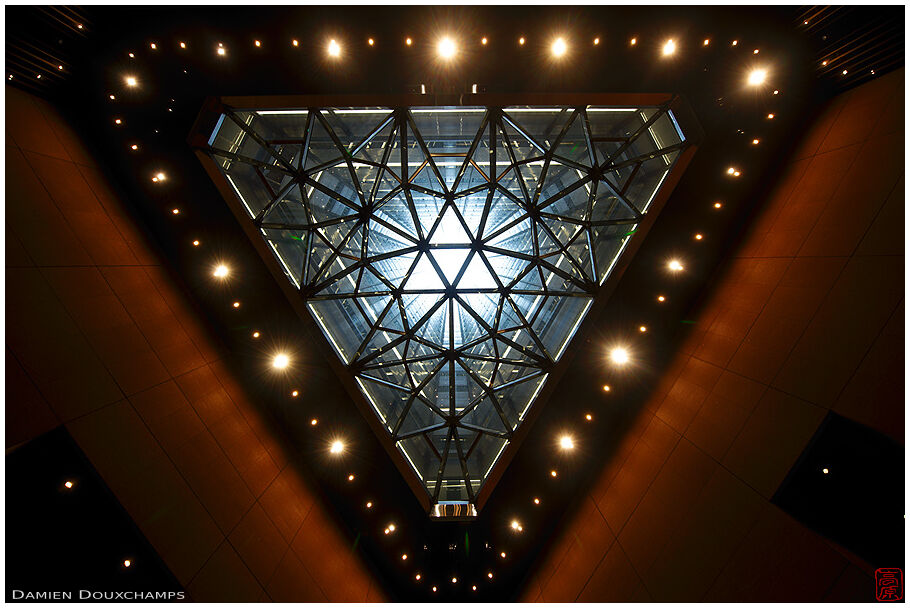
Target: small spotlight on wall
x: 334, y: 49
x: 669, y: 48
x: 558, y: 48
x: 281, y: 361
x: 620, y: 356
x: 757, y: 77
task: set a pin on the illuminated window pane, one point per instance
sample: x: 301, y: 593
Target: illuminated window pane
x: 449, y: 254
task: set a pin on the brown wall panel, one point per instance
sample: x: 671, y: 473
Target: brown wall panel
x: 100, y: 339
x: 807, y: 317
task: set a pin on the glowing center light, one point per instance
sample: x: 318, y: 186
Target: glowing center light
x: 446, y: 48
x: 675, y: 265
x: 757, y: 77
x: 516, y: 525
x: 221, y: 271
x: 334, y: 49
x: 558, y: 48
x: 131, y: 81
x: 281, y: 361
x: 619, y: 356
x: 337, y: 447
x: 669, y: 47
x: 566, y: 443
x: 68, y: 484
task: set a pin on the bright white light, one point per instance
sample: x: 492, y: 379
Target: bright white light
x: 757, y: 77
x: 334, y: 49
x: 446, y: 48
x: 337, y: 447
x: 131, y: 81
x: 559, y: 47
x: 669, y: 47
x: 675, y: 265
x: 566, y: 443
x: 280, y: 361
x: 619, y: 356
x: 221, y: 271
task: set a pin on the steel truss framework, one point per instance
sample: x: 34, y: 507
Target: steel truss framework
x: 448, y: 253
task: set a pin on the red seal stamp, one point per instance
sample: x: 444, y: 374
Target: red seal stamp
x: 889, y: 585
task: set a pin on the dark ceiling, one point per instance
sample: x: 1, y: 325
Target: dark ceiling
x: 174, y: 81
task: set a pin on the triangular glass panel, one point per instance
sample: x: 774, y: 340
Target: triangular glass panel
x: 447, y: 265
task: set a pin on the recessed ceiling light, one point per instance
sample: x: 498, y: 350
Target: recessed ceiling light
x: 669, y: 48
x: 334, y: 49
x: 675, y: 265
x: 446, y: 48
x: 757, y: 77
x: 558, y: 48
x: 221, y: 271
x: 281, y: 361
x: 337, y: 447
x: 620, y: 356
x: 566, y: 443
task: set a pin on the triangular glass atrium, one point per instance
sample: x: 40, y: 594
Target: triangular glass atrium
x: 448, y: 253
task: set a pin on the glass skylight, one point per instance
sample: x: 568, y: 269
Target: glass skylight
x: 449, y: 254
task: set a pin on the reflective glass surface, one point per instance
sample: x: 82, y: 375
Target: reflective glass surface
x: 448, y: 253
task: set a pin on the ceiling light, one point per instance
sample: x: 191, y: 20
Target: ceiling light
x: 221, y: 271
x: 597, y: 41
x: 824, y: 63
x: 698, y: 237
x: 776, y: 91
x: 255, y: 334
x: 334, y: 49
x: 757, y: 77
x: 131, y: 55
x: 606, y: 388
x: 160, y: 177
x: 294, y: 393
x: 502, y: 555
x: 755, y: 142
x: 257, y: 43
x: 118, y: 121
x: 515, y: 525
x: 473, y: 587
x: 718, y: 205
x: 221, y: 50
x: 68, y: 485
x: 407, y: 41
x: 404, y: 556
x: 642, y: 328
x: 337, y: 447
x: 153, y: 46
x: 314, y: 422
x: 370, y: 41
x: 521, y: 40
x: 483, y: 40
x: 536, y: 501
x: 669, y: 47
x: 489, y: 575
x: 391, y: 527
x: 589, y: 417
x: 558, y: 48
x: 134, y: 147
x: 661, y: 298
x: 675, y: 265
x: 566, y: 443
x: 127, y: 563
x: 351, y: 477
x: 825, y: 471
x: 281, y: 361
x: 620, y: 356
x: 111, y: 96
x: 196, y: 244
x: 295, y: 42
x: 844, y: 72
x: 446, y: 48
x: 770, y: 116
x: 417, y: 577
x: 454, y: 580
x: 183, y: 45
x: 706, y: 42
x: 175, y: 211
x: 370, y: 505
x: 434, y: 588
x: 553, y: 473
x: 735, y: 42
x: 634, y: 41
